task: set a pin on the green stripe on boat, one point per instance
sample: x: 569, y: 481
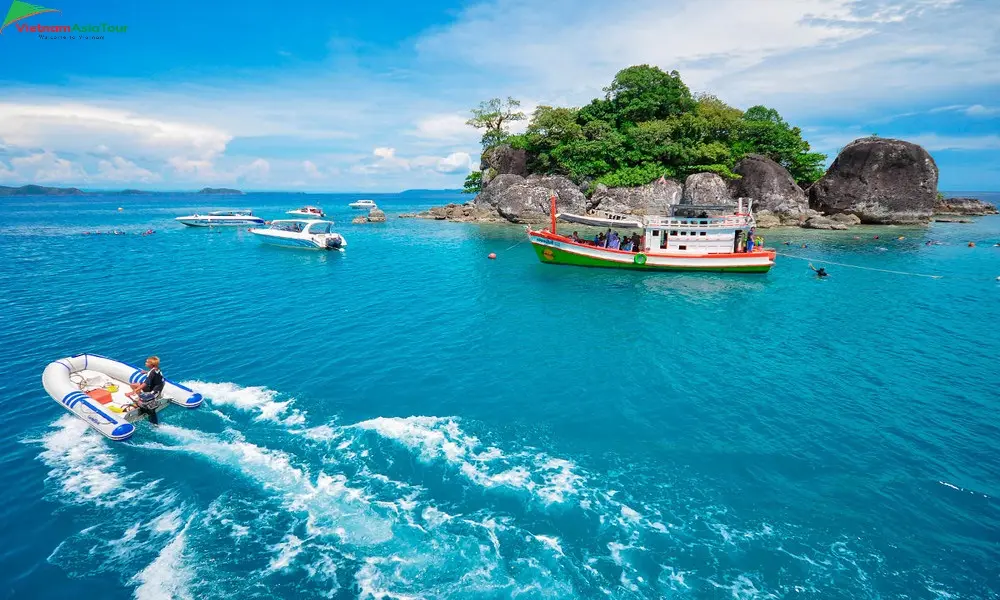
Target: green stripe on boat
x: 558, y: 256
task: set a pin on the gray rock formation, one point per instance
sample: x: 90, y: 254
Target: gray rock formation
x: 823, y: 223
x: 770, y: 186
x: 846, y: 219
x: 489, y: 197
x: 528, y: 201
x: 706, y: 188
x: 766, y: 219
x: 650, y: 199
x: 503, y: 160
x: 964, y: 206
x: 376, y: 215
x: 880, y: 181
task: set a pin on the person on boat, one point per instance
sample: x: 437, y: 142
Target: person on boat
x: 575, y: 237
x: 149, y: 390
x: 820, y: 272
x: 627, y: 246
x: 636, y: 242
x: 615, y: 242
x: 750, y: 242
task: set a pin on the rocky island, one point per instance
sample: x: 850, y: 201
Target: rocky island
x: 650, y: 144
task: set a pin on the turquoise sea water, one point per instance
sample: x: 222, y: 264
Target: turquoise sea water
x: 408, y: 419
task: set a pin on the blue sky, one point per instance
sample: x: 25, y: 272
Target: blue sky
x: 331, y: 96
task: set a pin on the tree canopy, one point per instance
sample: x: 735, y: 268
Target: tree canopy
x: 648, y: 125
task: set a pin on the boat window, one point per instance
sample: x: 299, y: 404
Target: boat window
x: 673, y: 233
x: 682, y: 247
x: 684, y: 233
x: 656, y: 233
x: 704, y: 222
x: 317, y: 228
x: 702, y: 233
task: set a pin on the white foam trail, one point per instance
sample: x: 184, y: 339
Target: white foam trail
x: 549, y: 479
x: 167, y: 577
x: 258, y: 399
x: 330, y: 504
x: 82, y: 463
x: 551, y: 542
x: 288, y: 549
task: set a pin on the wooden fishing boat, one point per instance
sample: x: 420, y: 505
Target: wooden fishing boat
x: 689, y: 239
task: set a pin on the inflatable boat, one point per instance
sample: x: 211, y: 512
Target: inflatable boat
x: 94, y: 388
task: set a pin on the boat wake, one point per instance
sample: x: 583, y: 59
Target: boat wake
x: 402, y: 507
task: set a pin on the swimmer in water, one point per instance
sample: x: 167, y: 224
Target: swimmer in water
x: 820, y: 272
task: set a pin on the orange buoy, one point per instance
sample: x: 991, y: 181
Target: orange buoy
x: 972, y: 244
x: 492, y: 255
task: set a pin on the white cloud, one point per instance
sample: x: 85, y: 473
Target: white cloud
x: 934, y: 142
x: 45, y: 167
x: 456, y: 162
x: 80, y: 127
x: 806, y: 57
x: 311, y: 169
x: 978, y: 110
x: 120, y: 169
x: 447, y: 127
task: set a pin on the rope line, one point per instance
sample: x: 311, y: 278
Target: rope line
x: 830, y: 262
x: 517, y: 244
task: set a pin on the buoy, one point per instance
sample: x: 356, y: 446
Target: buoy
x: 972, y: 244
x: 492, y: 255
x: 875, y: 238
x: 902, y: 237
x: 120, y: 208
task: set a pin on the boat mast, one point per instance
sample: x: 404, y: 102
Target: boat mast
x: 552, y: 211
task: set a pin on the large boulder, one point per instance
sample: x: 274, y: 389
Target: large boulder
x: 823, y: 223
x: 651, y: 199
x: 881, y: 181
x: 964, y: 206
x: 766, y: 219
x: 769, y: 185
x: 489, y: 197
x: 376, y: 215
x: 528, y: 201
x: 503, y: 160
x: 706, y: 188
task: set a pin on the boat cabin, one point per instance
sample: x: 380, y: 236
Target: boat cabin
x: 231, y: 213
x: 307, y: 227
x: 695, y: 235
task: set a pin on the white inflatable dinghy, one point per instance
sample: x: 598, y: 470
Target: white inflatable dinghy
x: 94, y: 388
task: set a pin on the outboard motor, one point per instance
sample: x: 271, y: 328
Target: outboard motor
x: 334, y: 242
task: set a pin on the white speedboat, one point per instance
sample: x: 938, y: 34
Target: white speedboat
x: 222, y: 218
x: 95, y: 389
x: 312, y: 234
x: 363, y: 204
x: 313, y: 212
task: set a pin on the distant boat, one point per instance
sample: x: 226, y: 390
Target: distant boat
x: 308, y: 211
x: 311, y: 234
x: 222, y: 218
x: 363, y: 204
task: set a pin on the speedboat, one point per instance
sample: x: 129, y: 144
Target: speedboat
x: 314, y: 212
x: 96, y: 389
x: 363, y: 204
x: 312, y: 234
x: 222, y: 218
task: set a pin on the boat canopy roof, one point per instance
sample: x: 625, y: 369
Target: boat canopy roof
x: 302, y: 225
x: 243, y: 212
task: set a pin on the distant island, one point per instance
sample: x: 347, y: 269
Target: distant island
x: 41, y: 190
x: 221, y: 191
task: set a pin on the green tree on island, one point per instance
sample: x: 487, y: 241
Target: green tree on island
x: 493, y: 117
x: 648, y: 125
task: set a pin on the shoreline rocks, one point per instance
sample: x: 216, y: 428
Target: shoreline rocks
x: 375, y: 215
x: 970, y: 207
